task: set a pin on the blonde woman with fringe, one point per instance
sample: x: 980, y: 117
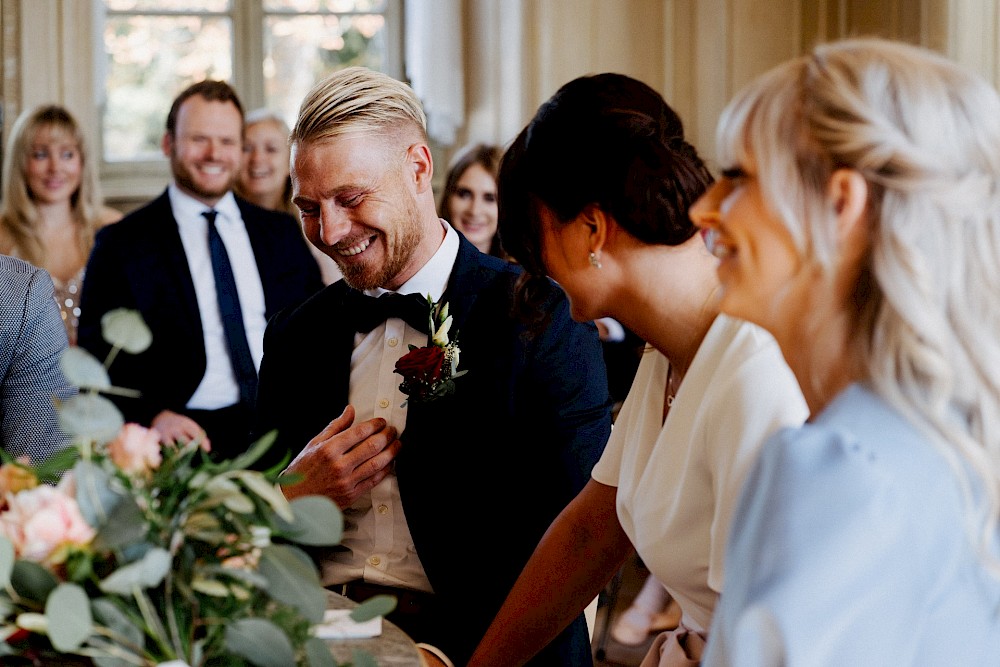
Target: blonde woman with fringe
x: 264, y: 177
x: 51, y: 203
x: 859, y: 221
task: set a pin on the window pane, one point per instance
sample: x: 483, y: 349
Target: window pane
x: 149, y: 60
x: 325, y: 5
x: 301, y: 50
x: 168, y: 5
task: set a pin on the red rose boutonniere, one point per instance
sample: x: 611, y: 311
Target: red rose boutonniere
x: 429, y: 372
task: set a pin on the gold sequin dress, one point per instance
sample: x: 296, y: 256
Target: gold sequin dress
x: 67, y: 296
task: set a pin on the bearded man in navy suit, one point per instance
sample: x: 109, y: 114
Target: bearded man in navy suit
x: 444, y: 500
x: 198, y: 378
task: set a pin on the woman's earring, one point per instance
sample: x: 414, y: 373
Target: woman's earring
x: 595, y: 261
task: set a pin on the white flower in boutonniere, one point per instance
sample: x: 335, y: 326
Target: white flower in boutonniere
x: 429, y: 372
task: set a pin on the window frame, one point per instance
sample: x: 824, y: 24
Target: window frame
x: 140, y: 180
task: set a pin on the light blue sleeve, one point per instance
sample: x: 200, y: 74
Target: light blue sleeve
x: 849, y: 553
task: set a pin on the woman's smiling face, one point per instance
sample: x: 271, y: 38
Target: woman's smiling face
x: 757, y: 255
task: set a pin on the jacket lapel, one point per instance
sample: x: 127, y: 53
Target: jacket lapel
x: 165, y: 239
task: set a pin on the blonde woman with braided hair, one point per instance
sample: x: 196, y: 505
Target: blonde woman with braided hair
x: 858, y: 220
x: 51, y: 204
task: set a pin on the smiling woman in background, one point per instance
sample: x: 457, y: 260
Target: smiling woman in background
x: 469, y: 198
x: 264, y: 177
x: 51, y: 205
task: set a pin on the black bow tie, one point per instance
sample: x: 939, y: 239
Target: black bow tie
x: 368, y: 312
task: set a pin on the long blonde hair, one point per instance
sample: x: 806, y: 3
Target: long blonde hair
x: 925, y: 135
x: 19, y: 216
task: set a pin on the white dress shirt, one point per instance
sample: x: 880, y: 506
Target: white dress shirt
x: 377, y: 545
x: 218, y: 388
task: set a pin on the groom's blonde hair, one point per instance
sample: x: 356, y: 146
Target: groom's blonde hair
x: 357, y: 100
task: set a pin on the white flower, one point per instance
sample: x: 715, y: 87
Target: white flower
x: 441, y: 335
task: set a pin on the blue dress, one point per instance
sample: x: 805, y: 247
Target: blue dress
x: 850, y: 547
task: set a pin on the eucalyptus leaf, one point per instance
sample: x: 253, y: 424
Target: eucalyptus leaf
x: 107, y: 613
x: 110, y: 661
x: 126, y: 329
x: 83, y: 369
x: 260, y: 642
x: 293, y: 580
x: 248, y: 577
x: 51, y: 469
x: 378, y: 605
x: 256, y: 450
x: 94, y: 494
x: 147, y: 572
x: 318, y: 522
x: 6, y: 561
x: 70, y: 622
x: 90, y: 416
x: 31, y: 580
x: 200, y: 479
x: 318, y: 653
x: 210, y: 587
x: 125, y: 525
x: 240, y: 503
x: 205, y: 527
x: 226, y: 492
x: 268, y: 491
x: 361, y: 658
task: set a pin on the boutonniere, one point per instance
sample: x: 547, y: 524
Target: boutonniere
x: 429, y: 372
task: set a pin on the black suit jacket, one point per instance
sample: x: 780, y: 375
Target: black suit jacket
x: 139, y: 263
x: 483, y: 472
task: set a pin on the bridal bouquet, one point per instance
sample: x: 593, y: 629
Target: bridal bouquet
x: 123, y: 552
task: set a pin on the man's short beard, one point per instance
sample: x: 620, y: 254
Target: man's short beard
x: 185, y: 181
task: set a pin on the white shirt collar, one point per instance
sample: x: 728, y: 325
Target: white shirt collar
x: 432, y: 278
x: 186, y: 208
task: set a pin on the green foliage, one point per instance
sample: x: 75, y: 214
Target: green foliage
x: 178, y: 561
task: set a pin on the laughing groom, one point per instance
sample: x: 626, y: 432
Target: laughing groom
x: 444, y: 496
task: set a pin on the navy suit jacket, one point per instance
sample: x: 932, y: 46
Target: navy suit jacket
x: 139, y: 263
x: 483, y: 472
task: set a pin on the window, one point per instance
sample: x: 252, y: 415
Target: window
x: 271, y: 51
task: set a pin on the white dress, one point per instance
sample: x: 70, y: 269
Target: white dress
x: 678, y: 481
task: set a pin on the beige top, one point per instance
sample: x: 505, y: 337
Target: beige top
x: 679, y: 480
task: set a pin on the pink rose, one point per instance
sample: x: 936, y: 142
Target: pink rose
x: 15, y: 478
x: 40, y: 520
x: 136, y: 449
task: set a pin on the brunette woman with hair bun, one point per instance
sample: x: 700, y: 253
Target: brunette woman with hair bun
x: 594, y: 194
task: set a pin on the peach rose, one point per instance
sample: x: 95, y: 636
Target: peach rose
x: 40, y: 520
x: 15, y: 478
x: 136, y: 449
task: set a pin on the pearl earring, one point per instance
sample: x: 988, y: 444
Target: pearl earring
x: 594, y: 260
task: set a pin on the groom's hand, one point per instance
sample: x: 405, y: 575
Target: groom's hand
x: 345, y: 459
